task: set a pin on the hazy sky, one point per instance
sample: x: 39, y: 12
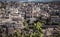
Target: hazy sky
x: 32, y: 0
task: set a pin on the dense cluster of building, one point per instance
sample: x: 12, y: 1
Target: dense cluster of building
x: 13, y: 14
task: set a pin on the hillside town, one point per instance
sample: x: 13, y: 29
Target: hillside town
x: 14, y: 14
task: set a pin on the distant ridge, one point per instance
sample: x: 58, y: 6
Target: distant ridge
x: 33, y: 0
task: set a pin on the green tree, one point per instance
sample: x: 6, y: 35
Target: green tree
x: 17, y: 33
x: 38, y: 26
